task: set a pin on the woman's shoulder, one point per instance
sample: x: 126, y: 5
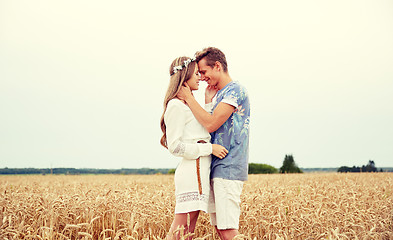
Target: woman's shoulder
x: 176, y: 103
x: 176, y: 108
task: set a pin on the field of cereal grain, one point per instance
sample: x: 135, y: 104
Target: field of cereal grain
x: 291, y: 206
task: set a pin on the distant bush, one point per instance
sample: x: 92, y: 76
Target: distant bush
x: 256, y: 168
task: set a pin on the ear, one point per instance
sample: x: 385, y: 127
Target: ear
x: 218, y: 65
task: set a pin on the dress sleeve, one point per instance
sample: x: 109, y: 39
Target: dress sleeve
x: 175, y: 121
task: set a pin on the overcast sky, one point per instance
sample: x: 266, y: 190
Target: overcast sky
x: 82, y: 83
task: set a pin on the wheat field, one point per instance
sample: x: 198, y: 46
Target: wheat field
x: 278, y: 206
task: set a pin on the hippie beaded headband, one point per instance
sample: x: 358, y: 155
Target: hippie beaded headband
x: 184, y: 65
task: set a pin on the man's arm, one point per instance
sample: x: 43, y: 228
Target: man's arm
x: 210, y: 121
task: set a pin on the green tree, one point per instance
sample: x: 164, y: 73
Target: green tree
x: 289, y: 165
x: 370, y: 167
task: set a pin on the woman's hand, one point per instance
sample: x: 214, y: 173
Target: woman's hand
x: 219, y: 151
x: 184, y: 93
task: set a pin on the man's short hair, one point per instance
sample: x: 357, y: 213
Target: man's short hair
x: 212, y: 55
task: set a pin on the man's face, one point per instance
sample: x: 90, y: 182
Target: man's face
x: 208, y: 73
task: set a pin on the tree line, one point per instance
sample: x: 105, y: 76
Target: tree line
x: 76, y: 171
x: 288, y: 166
x: 370, y: 167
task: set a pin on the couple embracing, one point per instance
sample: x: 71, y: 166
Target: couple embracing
x: 213, y: 142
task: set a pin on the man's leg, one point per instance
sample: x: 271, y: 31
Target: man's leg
x: 227, y: 202
x: 218, y: 232
x: 227, y: 234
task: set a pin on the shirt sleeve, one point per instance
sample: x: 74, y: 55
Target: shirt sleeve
x: 175, y: 121
x: 232, y: 97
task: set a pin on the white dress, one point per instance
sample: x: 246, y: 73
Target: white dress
x: 183, y: 132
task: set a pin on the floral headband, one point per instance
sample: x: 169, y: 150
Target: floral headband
x: 184, y: 65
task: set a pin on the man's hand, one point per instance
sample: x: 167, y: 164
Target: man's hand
x: 210, y: 92
x: 184, y: 93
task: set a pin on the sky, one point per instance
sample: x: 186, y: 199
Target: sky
x: 82, y: 83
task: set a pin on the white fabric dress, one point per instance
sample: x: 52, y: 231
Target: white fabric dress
x: 183, y: 132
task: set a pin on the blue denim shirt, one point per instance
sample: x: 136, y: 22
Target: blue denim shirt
x: 233, y: 134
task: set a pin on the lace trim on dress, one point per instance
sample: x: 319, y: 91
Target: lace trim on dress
x: 180, y: 149
x: 191, y: 196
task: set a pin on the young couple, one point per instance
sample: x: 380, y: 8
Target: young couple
x: 214, y: 166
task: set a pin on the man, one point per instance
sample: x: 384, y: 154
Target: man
x: 228, y: 121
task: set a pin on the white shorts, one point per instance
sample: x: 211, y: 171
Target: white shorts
x: 224, y: 203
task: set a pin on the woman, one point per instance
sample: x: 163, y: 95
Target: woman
x: 185, y: 137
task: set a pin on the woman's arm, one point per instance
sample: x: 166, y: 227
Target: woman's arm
x: 210, y: 121
x: 175, y: 121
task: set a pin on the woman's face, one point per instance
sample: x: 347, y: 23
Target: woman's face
x: 193, y: 82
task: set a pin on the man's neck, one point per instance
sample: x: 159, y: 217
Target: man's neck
x: 224, y: 81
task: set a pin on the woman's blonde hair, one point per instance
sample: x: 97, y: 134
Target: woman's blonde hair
x: 177, y: 79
